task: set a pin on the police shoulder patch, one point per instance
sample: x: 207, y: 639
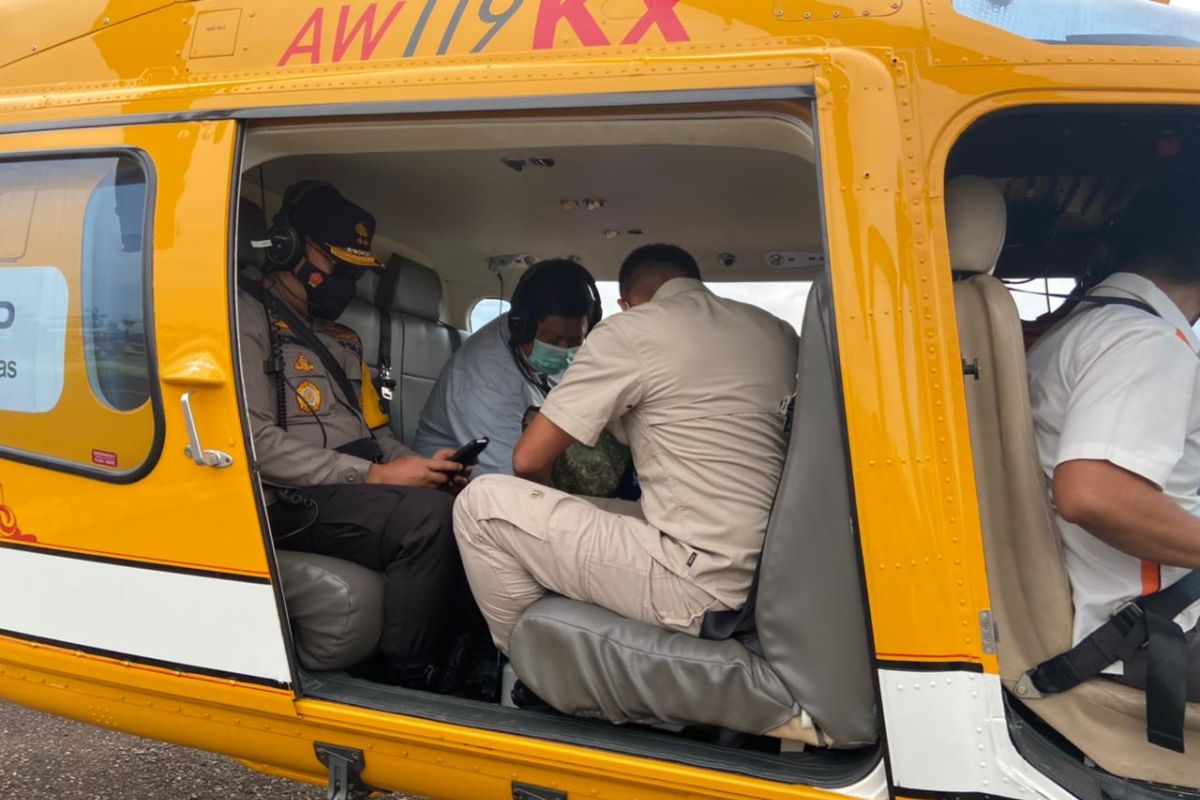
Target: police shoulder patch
x: 308, y: 397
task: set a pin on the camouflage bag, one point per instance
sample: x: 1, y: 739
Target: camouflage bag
x: 591, y: 471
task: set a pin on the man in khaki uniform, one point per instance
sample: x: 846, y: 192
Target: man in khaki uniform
x: 335, y: 486
x: 699, y: 387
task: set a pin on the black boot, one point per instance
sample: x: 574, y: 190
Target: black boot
x: 452, y: 674
x: 523, y: 697
x: 483, y: 679
x: 429, y: 678
x: 417, y: 675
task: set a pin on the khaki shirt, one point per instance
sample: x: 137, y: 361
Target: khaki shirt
x: 699, y: 387
x: 318, y: 418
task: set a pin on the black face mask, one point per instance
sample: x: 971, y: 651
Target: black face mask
x: 330, y: 295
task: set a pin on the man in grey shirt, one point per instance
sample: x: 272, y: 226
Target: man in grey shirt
x: 511, y: 364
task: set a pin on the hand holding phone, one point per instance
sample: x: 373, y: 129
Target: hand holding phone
x: 469, y: 452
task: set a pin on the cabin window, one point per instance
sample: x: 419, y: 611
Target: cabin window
x: 1132, y: 23
x: 113, y: 309
x: 784, y: 299
x: 73, y: 313
x: 1037, y: 297
x: 484, y: 311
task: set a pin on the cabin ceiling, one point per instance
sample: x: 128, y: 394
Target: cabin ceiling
x: 451, y: 196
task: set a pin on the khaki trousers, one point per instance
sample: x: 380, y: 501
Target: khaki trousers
x: 520, y: 540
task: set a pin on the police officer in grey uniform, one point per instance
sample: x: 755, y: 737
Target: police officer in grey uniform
x: 334, y: 486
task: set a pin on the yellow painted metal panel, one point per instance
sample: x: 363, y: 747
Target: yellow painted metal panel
x: 900, y: 372
x: 816, y: 10
x: 170, y: 516
x: 261, y: 727
x: 894, y: 92
x: 35, y: 26
x: 216, y: 33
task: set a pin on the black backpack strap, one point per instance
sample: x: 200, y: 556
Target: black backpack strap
x: 1095, y: 301
x: 309, y: 339
x: 1147, y: 620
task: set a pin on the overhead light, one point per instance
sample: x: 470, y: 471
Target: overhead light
x: 634, y: 231
x: 790, y: 259
x: 611, y: 234
x: 513, y: 261
x: 569, y: 205
x: 515, y: 164
x: 542, y: 161
x: 594, y: 203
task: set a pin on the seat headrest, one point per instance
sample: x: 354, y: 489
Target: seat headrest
x: 367, y: 288
x: 976, y: 223
x: 251, y: 227
x: 416, y: 289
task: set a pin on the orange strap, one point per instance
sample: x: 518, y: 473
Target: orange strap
x: 1151, y: 577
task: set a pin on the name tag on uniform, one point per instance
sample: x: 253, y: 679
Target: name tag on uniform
x: 33, y: 337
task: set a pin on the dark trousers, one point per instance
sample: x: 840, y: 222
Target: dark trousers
x: 406, y: 533
x: 1135, y: 668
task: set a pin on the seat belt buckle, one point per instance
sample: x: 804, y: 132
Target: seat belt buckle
x: 1129, y: 616
x: 1131, y: 621
x: 386, y: 383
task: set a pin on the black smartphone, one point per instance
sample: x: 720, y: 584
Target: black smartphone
x: 470, y: 451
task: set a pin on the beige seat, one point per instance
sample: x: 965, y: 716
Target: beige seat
x: 1031, y: 596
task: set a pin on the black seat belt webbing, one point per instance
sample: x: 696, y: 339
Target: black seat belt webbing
x: 309, y: 338
x: 1166, y: 682
x: 1147, y: 620
x: 385, y: 381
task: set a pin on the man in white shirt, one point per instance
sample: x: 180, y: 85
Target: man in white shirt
x: 699, y: 386
x: 1115, y: 394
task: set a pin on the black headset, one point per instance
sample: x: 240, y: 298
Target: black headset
x: 287, y: 243
x: 522, y: 322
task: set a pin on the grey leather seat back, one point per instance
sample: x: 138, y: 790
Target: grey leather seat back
x: 421, y: 342
x: 810, y: 615
x: 362, y: 317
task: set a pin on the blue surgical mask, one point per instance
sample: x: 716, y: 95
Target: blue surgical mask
x: 550, y: 360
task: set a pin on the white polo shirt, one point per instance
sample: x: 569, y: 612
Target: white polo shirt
x: 1117, y: 384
